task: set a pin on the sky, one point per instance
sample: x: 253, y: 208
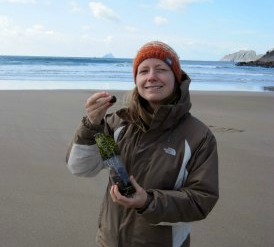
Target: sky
x: 196, y: 29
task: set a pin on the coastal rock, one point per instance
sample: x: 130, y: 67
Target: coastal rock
x: 268, y: 57
x: 266, y: 61
x: 108, y: 55
x: 241, y: 56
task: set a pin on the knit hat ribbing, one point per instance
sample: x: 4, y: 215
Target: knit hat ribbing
x: 159, y: 50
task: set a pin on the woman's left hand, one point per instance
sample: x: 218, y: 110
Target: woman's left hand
x: 137, y: 200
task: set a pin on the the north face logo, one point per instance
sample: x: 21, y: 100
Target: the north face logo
x: 170, y: 151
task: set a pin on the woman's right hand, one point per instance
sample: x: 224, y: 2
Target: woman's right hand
x: 96, y: 106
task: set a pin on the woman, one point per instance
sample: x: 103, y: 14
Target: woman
x: 171, y: 154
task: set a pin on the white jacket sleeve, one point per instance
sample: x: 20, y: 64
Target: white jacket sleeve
x: 85, y: 160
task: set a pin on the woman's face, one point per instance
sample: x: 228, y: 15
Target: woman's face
x: 155, y: 81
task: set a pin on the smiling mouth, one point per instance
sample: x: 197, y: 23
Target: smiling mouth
x: 153, y: 87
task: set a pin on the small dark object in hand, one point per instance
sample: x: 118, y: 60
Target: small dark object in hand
x: 113, y: 99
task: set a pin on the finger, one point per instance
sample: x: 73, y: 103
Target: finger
x: 120, y: 198
x: 97, y: 105
x: 97, y: 109
x: 92, y: 99
x: 113, y: 99
x: 117, y: 197
x: 117, y: 192
x: 112, y: 194
x: 97, y: 98
x: 135, y: 184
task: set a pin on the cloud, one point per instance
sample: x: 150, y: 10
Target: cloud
x: 101, y: 11
x: 177, y: 4
x: 34, y: 40
x: 4, y: 21
x: 131, y: 29
x: 108, y: 39
x: 86, y: 28
x: 38, y: 29
x: 7, y: 28
x: 11, y: 31
x: 158, y: 20
x: 18, y: 1
x: 74, y: 6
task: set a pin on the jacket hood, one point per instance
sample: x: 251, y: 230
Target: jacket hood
x: 184, y: 101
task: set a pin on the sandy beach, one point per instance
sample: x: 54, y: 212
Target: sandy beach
x: 43, y: 205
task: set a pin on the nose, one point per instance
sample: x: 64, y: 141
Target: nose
x: 152, y: 75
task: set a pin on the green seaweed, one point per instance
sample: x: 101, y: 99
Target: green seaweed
x: 106, y: 145
x: 109, y: 152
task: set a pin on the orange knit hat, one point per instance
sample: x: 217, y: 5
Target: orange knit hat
x: 160, y: 50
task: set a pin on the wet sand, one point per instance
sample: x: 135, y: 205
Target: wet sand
x: 43, y: 205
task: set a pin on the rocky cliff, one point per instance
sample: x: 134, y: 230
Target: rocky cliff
x: 266, y: 60
x: 241, y: 56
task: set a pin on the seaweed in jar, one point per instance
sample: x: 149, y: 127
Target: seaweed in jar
x: 110, y: 154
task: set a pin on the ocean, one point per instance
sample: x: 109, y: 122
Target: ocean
x: 39, y: 73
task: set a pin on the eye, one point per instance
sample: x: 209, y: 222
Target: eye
x: 142, y: 71
x: 161, y: 69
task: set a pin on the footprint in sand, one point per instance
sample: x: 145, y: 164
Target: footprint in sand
x: 224, y: 129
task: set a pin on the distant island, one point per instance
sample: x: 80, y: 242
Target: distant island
x: 108, y: 55
x: 250, y: 58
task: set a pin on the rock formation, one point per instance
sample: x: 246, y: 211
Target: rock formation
x: 266, y: 61
x: 108, y: 55
x: 241, y: 56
